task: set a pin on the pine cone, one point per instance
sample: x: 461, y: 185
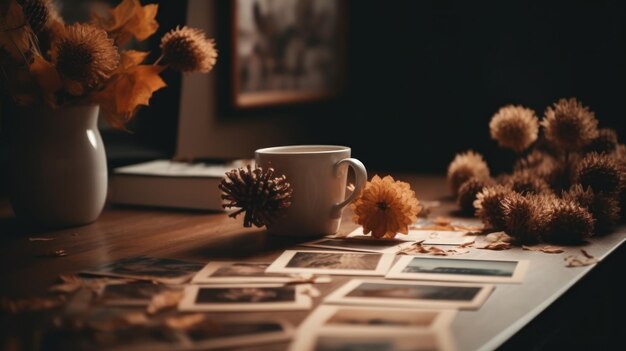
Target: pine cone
x: 256, y: 192
x: 36, y: 11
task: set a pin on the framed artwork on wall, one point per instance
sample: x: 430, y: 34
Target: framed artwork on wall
x: 286, y: 52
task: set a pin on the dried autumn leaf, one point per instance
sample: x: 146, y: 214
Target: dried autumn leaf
x: 126, y: 91
x: 498, y: 246
x: 15, y: 38
x: 498, y: 236
x: 580, y: 260
x: 418, y: 247
x: 546, y: 249
x: 130, y: 19
x: 184, y: 322
x: 46, y: 76
x: 130, y: 59
x: 164, y: 300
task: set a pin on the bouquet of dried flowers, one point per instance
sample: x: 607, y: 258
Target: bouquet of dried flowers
x: 568, y: 182
x: 46, y: 61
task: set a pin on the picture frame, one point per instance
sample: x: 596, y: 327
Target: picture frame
x: 286, y: 52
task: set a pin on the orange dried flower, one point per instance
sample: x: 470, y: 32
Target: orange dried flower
x: 386, y: 207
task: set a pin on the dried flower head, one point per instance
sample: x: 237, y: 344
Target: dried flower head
x: 465, y: 166
x: 514, y: 127
x: 604, y: 143
x: 468, y: 192
x: 85, y: 57
x: 521, y: 218
x: 488, y: 206
x: 188, y: 50
x: 600, y: 172
x: 604, y: 209
x: 569, y: 125
x: 526, y: 182
x: 257, y: 192
x: 568, y: 223
x: 36, y: 12
x: 386, y: 207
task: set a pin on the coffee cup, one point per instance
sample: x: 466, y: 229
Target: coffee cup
x: 318, y: 175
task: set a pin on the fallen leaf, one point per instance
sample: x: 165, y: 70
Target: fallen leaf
x: 31, y: 304
x: 580, y: 260
x: 184, y: 322
x: 498, y: 236
x: 32, y: 238
x: 418, y: 247
x: 129, y: 59
x: 166, y: 299
x: 469, y: 244
x: 497, y: 246
x: 445, y: 221
x: 546, y: 249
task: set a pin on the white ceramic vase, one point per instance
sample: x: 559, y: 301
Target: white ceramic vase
x: 58, y: 169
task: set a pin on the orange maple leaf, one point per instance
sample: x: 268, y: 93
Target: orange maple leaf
x: 130, y: 19
x: 126, y: 91
x: 129, y: 59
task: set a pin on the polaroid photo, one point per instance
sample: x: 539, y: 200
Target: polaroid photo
x: 249, y: 297
x: 340, y: 340
x: 247, y: 272
x: 359, y: 243
x: 332, y: 262
x: 428, y: 237
x: 226, y: 333
x: 138, y: 293
x: 162, y: 270
x: 411, y: 294
x: 378, y: 319
x: 456, y: 269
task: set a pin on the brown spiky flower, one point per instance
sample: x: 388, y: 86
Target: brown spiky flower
x: 526, y: 182
x: 514, y: 127
x: 521, y: 218
x: 188, y: 50
x: 468, y: 192
x: 465, y: 166
x: 600, y: 172
x: 36, y: 12
x: 488, y: 206
x: 604, y: 143
x: 568, y: 223
x: 386, y: 207
x: 84, y: 56
x: 257, y: 192
x: 569, y: 125
x: 604, y: 209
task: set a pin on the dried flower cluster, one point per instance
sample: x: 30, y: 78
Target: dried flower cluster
x: 257, y: 192
x: 386, y: 207
x: 567, y: 185
x: 45, y: 61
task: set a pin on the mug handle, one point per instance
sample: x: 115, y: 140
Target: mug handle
x: 360, y: 179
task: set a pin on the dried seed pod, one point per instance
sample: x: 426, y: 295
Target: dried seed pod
x: 257, y: 192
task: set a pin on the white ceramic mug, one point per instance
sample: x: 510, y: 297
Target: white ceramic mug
x: 318, y: 176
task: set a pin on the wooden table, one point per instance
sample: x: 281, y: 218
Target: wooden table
x: 575, y: 308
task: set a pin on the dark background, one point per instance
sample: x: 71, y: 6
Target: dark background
x: 424, y: 78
